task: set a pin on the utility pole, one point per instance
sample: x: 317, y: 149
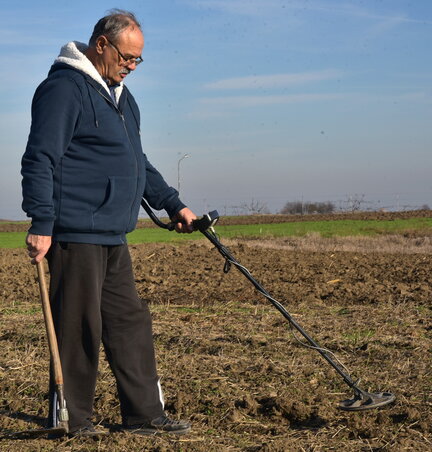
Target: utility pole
x: 185, y: 156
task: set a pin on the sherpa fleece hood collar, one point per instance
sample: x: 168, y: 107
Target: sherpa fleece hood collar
x: 72, y: 54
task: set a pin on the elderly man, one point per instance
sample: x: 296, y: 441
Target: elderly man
x: 84, y: 175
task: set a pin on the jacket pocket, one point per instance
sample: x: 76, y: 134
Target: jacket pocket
x: 114, y: 214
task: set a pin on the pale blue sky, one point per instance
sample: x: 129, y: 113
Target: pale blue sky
x: 274, y: 100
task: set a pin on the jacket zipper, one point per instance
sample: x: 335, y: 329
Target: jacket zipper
x: 109, y: 99
x: 136, y: 161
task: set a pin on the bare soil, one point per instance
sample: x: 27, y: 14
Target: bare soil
x: 228, y: 360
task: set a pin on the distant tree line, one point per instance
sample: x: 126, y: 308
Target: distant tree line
x: 353, y: 203
x: 305, y: 208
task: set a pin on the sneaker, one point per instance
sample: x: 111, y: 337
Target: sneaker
x: 89, y: 431
x: 161, y: 424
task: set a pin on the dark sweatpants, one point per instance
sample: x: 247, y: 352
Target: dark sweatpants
x: 93, y: 297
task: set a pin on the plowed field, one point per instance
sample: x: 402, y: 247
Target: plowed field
x: 228, y: 360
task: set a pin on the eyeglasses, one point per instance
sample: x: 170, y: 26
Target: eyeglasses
x: 126, y: 61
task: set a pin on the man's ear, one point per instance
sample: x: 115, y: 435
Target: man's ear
x: 101, y: 43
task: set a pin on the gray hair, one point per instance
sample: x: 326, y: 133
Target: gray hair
x: 113, y: 24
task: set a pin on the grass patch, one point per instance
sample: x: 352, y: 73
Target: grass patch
x: 333, y: 228
x: 12, y: 239
x: 357, y: 337
x: 21, y: 309
x: 29, y: 310
x: 17, y: 239
x: 188, y: 310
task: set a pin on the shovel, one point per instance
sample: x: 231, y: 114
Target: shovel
x: 62, y: 417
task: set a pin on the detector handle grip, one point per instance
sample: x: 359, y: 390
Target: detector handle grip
x: 170, y: 226
x: 202, y: 224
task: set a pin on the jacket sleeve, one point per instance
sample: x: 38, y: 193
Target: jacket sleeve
x: 56, y: 110
x: 159, y: 194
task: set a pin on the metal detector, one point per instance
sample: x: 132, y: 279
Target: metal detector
x: 362, y: 400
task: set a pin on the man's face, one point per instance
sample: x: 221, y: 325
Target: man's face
x: 129, y: 45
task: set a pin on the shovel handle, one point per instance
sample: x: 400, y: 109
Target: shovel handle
x: 49, y: 325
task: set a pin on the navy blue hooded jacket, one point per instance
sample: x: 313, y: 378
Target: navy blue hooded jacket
x: 84, y: 172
